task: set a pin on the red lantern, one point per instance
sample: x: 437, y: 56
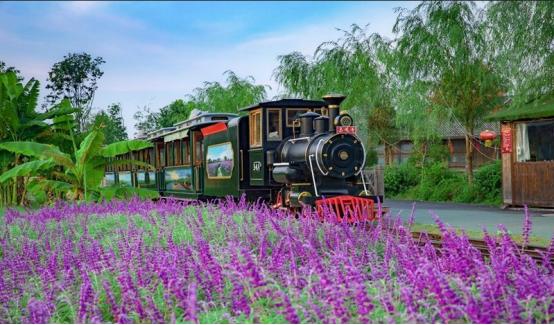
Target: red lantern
x: 487, y: 136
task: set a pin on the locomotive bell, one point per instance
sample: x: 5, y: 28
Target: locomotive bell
x: 333, y: 102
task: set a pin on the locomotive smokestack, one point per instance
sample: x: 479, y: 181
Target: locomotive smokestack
x: 333, y: 102
x: 321, y: 124
x: 307, y: 124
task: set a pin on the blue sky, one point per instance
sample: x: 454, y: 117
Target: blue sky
x: 157, y: 52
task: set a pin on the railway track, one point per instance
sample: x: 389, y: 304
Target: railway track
x: 535, y: 252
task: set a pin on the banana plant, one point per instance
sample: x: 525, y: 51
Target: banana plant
x: 20, y: 121
x: 78, y: 176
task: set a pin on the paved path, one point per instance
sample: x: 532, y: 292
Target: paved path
x: 473, y: 217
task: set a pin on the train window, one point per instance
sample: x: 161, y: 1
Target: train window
x: 168, y: 154
x: 178, y: 153
x: 197, y: 148
x: 186, y: 151
x: 293, y: 113
x: 161, y: 156
x: 256, y: 128
x: 274, y: 126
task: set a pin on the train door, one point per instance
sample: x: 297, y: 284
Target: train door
x: 198, y: 161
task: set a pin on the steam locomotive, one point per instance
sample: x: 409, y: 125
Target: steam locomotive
x: 290, y: 153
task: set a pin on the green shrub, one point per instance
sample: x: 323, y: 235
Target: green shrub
x: 433, y: 177
x: 488, y: 183
x: 448, y: 189
x: 400, y: 178
x: 438, y: 183
x: 467, y: 194
x: 371, y: 157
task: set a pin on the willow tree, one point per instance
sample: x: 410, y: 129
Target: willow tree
x: 357, y: 65
x: 237, y: 92
x: 442, y: 63
x: 520, y: 36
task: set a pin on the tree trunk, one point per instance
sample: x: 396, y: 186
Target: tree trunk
x: 388, y: 155
x: 469, y: 158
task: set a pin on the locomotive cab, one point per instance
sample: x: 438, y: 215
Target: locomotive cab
x: 307, y: 153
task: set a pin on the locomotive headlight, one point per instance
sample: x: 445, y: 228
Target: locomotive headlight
x: 343, y: 120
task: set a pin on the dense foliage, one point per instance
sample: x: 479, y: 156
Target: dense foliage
x: 212, y: 97
x: 449, y: 62
x: 41, y: 156
x: 110, y: 121
x: 435, y: 182
x: 441, y: 52
x: 147, y: 262
x: 358, y: 65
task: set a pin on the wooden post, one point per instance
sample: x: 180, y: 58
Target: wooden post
x: 507, y: 137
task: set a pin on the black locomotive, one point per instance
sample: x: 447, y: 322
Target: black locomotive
x: 289, y: 152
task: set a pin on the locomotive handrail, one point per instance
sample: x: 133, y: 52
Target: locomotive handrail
x: 363, y: 182
x: 241, y: 165
x: 317, y: 161
x: 312, y: 171
x: 363, y: 148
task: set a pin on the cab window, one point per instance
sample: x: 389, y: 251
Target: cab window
x: 293, y: 114
x: 274, y: 126
x: 256, y: 128
x: 320, y: 111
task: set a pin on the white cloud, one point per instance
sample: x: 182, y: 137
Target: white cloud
x: 83, y: 7
x: 146, y: 66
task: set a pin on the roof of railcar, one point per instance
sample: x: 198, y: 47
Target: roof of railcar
x: 203, y: 118
x: 287, y: 103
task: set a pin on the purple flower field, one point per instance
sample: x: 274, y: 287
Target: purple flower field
x: 142, y: 261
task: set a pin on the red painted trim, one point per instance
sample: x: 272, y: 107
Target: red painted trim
x: 353, y: 208
x: 214, y: 128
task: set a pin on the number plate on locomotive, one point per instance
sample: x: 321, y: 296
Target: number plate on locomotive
x: 346, y: 129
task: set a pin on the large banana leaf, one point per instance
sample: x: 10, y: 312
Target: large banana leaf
x: 27, y: 169
x: 95, y: 169
x: 123, y: 147
x: 12, y: 88
x: 38, y: 188
x: 39, y: 150
x: 62, y: 109
x: 89, y: 147
x: 53, y: 185
x: 6, y: 158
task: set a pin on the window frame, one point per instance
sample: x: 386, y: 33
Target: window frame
x: 197, y: 145
x: 255, y: 140
x: 321, y: 111
x: 303, y: 110
x: 187, y: 157
x: 177, y: 149
x: 533, y: 147
x: 279, y: 123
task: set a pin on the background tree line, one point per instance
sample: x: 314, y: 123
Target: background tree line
x: 448, y: 62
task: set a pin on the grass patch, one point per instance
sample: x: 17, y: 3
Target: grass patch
x: 478, y: 235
